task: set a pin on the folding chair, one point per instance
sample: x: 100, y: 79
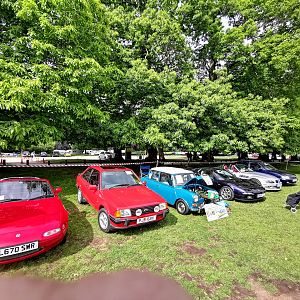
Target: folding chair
x: 144, y: 170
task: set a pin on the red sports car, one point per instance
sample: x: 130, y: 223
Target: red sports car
x: 32, y: 218
x: 120, y: 198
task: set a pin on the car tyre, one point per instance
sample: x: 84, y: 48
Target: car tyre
x: 182, y: 207
x: 103, y: 221
x: 226, y: 193
x: 80, y: 198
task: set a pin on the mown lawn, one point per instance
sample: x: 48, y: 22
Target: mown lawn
x: 210, y: 260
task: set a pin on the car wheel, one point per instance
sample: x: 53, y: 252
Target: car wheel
x: 226, y: 193
x: 80, y: 198
x: 103, y: 221
x: 64, y: 239
x: 181, y: 207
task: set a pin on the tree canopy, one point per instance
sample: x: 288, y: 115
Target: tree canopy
x: 193, y: 75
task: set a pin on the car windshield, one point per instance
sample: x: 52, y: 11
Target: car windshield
x: 116, y: 179
x: 18, y: 190
x: 243, y: 168
x: 223, y: 175
x: 269, y: 167
x: 182, y: 179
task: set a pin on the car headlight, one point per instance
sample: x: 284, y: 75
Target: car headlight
x: 285, y: 177
x: 163, y: 206
x: 195, y: 198
x: 51, y: 232
x: 156, y: 208
x: 123, y: 213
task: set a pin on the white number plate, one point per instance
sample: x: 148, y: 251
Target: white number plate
x: 13, y: 250
x: 146, y: 219
x: 260, y: 195
x: 294, y: 180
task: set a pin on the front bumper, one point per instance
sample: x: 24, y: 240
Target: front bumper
x: 119, y: 223
x: 272, y: 187
x: 250, y: 198
x: 44, y: 245
x: 289, y: 181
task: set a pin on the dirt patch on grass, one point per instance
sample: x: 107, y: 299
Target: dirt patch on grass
x: 190, y: 248
x: 100, y: 244
x: 208, y: 289
x: 239, y: 293
x: 285, y: 289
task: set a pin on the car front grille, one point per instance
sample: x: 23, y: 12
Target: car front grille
x: 145, y: 210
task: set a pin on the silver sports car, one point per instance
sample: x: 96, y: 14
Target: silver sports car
x: 269, y: 182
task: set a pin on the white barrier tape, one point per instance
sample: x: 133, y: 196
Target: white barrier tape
x: 45, y: 165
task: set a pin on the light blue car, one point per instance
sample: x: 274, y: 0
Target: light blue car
x: 179, y: 187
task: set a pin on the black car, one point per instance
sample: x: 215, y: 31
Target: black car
x: 229, y: 186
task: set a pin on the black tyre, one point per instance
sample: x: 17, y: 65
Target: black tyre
x: 80, y: 198
x: 103, y: 221
x: 182, y: 207
x: 226, y: 193
x: 64, y: 239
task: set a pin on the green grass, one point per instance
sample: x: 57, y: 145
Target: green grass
x: 259, y: 238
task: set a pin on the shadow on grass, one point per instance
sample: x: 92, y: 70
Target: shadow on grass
x: 170, y: 220
x: 79, y: 235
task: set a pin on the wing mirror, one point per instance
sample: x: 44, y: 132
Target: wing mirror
x: 93, y: 188
x: 57, y: 190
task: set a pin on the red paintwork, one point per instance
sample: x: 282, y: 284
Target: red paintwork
x: 120, y: 198
x: 31, y: 219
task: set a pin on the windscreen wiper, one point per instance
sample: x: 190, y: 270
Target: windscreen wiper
x: 11, y: 200
x: 121, y: 184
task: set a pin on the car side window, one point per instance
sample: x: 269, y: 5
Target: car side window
x: 155, y: 175
x: 165, y: 178
x: 254, y: 166
x: 94, y: 178
x: 86, y: 176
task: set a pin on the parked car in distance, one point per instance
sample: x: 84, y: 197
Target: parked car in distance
x: 269, y: 182
x: 44, y: 154
x: 68, y: 153
x: 120, y: 198
x: 104, y: 155
x: 265, y: 168
x: 32, y: 218
x: 57, y: 153
x: 179, y: 187
x: 230, y: 187
x: 25, y: 154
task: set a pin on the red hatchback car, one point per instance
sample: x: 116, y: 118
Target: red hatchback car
x: 32, y: 218
x: 120, y: 198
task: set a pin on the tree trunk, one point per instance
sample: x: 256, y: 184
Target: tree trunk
x: 118, y: 155
x: 152, y: 154
x: 161, y: 154
x: 242, y: 155
x: 264, y: 157
x: 207, y: 156
x: 128, y: 153
x: 195, y: 155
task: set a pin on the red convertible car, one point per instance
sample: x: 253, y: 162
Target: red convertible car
x: 32, y: 218
x: 120, y: 198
